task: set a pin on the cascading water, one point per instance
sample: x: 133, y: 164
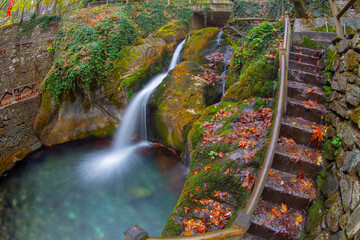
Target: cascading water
x: 103, y: 165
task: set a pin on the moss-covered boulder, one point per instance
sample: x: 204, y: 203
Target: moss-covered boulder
x: 256, y: 81
x: 197, y: 42
x: 96, y: 111
x: 177, y: 103
x: 171, y: 33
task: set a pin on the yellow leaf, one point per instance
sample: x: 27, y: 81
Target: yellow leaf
x: 283, y: 208
x: 293, y: 180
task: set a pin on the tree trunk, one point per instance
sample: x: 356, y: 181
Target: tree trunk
x: 300, y: 11
x: 54, y: 7
x: 38, y: 8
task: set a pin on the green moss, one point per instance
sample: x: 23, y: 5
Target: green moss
x: 169, y: 30
x: 197, y: 42
x: 102, y: 132
x: 327, y: 91
x: 309, y: 43
x: 331, y: 28
x: 328, y: 150
x: 315, y: 213
x: 331, y: 57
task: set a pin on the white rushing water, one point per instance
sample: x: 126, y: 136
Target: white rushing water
x: 103, y: 165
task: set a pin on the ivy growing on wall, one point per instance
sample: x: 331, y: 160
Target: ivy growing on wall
x: 206, y: 10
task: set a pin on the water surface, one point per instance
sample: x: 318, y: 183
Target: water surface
x: 45, y: 196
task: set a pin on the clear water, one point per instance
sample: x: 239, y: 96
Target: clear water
x: 44, y: 197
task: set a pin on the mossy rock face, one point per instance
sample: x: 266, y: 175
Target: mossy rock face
x: 256, y: 81
x: 96, y: 112
x: 87, y: 114
x: 218, y: 164
x: 135, y: 67
x: 197, y: 42
x: 177, y: 103
x: 171, y: 33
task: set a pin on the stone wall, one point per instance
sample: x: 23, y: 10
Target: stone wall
x: 24, y: 59
x: 24, y: 56
x: 17, y: 137
x: 336, y: 215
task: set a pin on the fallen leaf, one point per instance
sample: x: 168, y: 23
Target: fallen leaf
x: 242, y: 143
x: 221, y: 154
x: 318, y: 134
x: 227, y: 171
x: 298, y: 220
x: 271, y: 172
x: 208, y: 167
x: 283, y: 208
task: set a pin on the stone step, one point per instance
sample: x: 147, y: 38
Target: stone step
x: 305, y: 67
x: 270, y: 222
x: 304, y: 58
x: 296, y: 191
x: 248, y: 236
x: 308, y: 110
x: 300, y: 130
x: 297, y: 159
x: 304, y: 92
x: 306, y: 51
x: 305, y: 77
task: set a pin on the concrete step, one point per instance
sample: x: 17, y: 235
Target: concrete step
x: 304, y: 58
x: 297, y: 159
x: 306, y: 51
x: 293, y: 190
x: 305, y: 67
x: 300, y: 130
x: 309, y: 110
x: 248, y: 236
x: 304, y: 92
x: 270, y: 222
x: 305, y: 77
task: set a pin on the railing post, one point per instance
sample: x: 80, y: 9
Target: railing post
x: 338, y: 26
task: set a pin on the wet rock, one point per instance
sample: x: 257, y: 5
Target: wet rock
x: 343, y: 46
x: 351, y: 160
x: 352, y: 94
x: 339, y: 82
x: 331, y: 185
x: 343, y: 220
x: 355, y: 199
x: 338, y: 236
x: 333, y: 215
x: 351, y: 59
x: 320, y: 237
x: 346, y: 192
x: 353, y: 224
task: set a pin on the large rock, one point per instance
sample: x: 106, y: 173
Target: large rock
x: 346, y: 192
x: 352, y: 94
x: 351, y: 60
x: 97, y: 111
x: 331, y: 184
x: 355, y: 116
x: 334, y: 213
x: 171, y: 33
x: 351, y: 160
x: 355, y: 195
x: 353, y: 223
x: 197, y: 42
x: 178, y: 102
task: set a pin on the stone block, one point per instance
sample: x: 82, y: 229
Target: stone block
x: 347, y: 136
x: 343, y: 46
x: 355, y: 199
x: 355, y: 116
x: 352, y: 94
x: 331, y: 185
x: 355, y: 43
x: 353, y: 225
x: 338, y: 236
x: 346, y: 192
x: 351, y: 160
x: 351, y: 60
x: 339, y: 158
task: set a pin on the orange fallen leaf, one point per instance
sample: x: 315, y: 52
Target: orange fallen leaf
x: 221, y: 154
x: 298, y: 220
x: 317, y: 134
x: 208, y: 167
x: 198, y: 189
x: 271, y: 172
x: 283, y: 208
x: 227, y: 171
x: 242, y: 143
x: 293, y: 180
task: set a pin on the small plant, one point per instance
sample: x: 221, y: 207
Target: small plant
x: 336, y: 143
x: 213, y: 154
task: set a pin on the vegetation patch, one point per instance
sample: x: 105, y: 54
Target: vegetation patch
x: 224, y: 160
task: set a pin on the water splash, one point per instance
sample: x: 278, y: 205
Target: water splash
x: 102, y: 166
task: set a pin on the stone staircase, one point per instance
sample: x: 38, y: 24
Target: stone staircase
x: 291, y: 187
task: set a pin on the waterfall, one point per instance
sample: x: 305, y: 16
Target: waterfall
x: 103, y: 165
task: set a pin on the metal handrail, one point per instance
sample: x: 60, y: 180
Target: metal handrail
x: 337, y: 15
x: 243, y: 219
x: 280, y: 109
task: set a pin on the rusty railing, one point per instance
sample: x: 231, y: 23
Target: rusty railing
x: 19, y: 93
x: 243, y: 219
